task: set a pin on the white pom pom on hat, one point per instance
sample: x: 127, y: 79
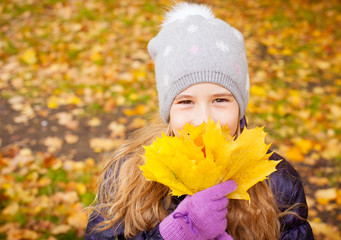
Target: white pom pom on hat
x: 183, y: 9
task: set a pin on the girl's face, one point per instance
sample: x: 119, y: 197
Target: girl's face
x: 196, y: 103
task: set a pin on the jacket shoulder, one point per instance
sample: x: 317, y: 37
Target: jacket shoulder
x: 288, y: 191
x: 286, y: 183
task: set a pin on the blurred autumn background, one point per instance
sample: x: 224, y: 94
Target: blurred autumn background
x: 76, y: 79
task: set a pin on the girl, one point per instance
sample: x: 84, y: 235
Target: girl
x: 201, y: 71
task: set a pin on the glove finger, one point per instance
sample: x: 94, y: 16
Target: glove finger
x: 220, y: 204
x: 224, y: 236
x: 218, y: 191
x: 223, y: 212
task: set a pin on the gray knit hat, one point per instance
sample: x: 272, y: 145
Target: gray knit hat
x: 195, y: 47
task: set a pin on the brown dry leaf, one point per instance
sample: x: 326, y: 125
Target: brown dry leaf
x: 9, y: 226
x: 77, y: 217
x: 17, y: 82
x: 17, y: 102
x: 39, y: 204
x: 53, y: 144
x: 45, y: 224
x: 23, y: 158
x: 26, y: 114
x: 138, y: 123
x: 330, y: 149
x: 260, y: 76
x: 73, y: 166
x: 78, y: 220
x: 43, y: 182
x: 318, y: 181
x: 60, y: 229
x: 324, y: 196
x: 29, y: 234
x: 109, y: 105
x: 329, y: 232
x: 65, y: 197
x: 323, y: 65
x: 49, y: 160
x: 64, y: 118
x: 126, y: 76
x: 101, y: 144
x: 70, y: 138
x: 21, y: 119
x: 335, y: 111
x: 310, y: 201
x: 11, y: 209
x: 94, y: 122
x: 121, y: 101
x: 73, y: 125
x: 23, y: 194
x: 117, y: 129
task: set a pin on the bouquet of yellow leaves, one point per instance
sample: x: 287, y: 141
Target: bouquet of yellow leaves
x: 201, y: 157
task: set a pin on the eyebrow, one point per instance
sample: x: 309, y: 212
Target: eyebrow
x: 223, y: 95
x: 182, y: 96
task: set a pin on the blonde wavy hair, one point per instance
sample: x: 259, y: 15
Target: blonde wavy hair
x: 126, y: 197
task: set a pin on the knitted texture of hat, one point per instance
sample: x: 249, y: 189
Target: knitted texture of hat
x: 195, y: 47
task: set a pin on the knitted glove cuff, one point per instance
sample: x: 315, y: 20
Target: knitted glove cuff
x: 178, y: 226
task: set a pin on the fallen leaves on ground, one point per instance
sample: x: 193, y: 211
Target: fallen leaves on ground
x: 42, y: 196
x: 76, y: 78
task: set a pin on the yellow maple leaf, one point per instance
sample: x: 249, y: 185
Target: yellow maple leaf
x: 203, y: 156
x: 29, y: 56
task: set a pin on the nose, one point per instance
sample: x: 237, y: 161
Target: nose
x: 202, y: 114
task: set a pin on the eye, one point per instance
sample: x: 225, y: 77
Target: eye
x: 220, y: 100
x: 185, y: 102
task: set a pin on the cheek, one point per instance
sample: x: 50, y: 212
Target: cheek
x: 176, y: 126
x: 230, y: 117
x: 177, y: 121
x: 231, y: 122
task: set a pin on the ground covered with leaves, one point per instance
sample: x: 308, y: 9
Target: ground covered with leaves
x: 76, y: 79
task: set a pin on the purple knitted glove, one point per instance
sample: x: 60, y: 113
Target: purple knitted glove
x: 201, y: 216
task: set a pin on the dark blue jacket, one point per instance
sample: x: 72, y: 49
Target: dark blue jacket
x: 287, y: 188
